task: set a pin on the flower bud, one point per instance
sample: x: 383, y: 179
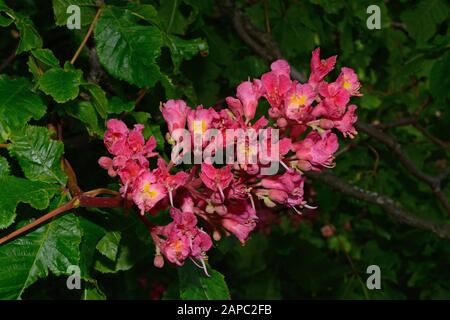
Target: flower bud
x: 326, y: 124
x: 158, y: 261
x: 282, y: 123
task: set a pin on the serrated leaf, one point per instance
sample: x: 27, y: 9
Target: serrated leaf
x: 29, y: 37
x: 15, y: 190
x: 98, y: 98
x: 52, y: 247
x: 195, y: 285
x: 39, y: 156
x: 109, y: 245
x: 85, y: 112
x: 126, y: 49
x: 87, y: 11
x: 181, y: 49
x: 61, y: 84
x: 116, y: 105
x: 17, y: 104
x: 422, y: 20
x: 46, y: 57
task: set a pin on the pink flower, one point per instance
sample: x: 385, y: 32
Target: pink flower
x: 216, y: 179
x: 334, y: 95
x: 107, y: 163
x: 281, y: 67
x: 348, y: 80
x: 175, y: 112
x: 248, y: 93
x: 298, y: 101
x: 240, y: 220
x: 116, y: 137
x: 317, y: 149
x: 200, y: 119
x: 183, y: 238
x: 148, y: 191
x: 171, y: 182
x: 286, y: 189
x: 275, y: 86
x: 345, y: 125
x: 320, y: 68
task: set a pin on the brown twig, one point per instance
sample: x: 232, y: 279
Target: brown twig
x: 434, y: 182
x: 82, y: 200
x: 86, y: 37
x: 440, y: 229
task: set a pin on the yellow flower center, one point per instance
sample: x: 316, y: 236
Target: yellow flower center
x: 177, y: 246
x: 298, y: 100
x: 199, y: 126
x: 149, y: 191
x: 346, y: 85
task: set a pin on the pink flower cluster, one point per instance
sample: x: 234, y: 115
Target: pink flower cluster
x: 227, y: 198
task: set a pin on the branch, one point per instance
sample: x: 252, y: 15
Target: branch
x: 260, y: 42
x: 390, y: 207
x: 86, y: 37
x: 434, y: 182
x: 87, y: 199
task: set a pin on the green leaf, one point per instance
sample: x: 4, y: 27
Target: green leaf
x: 146, y: 12
x: 91, y: 234
x: 29, y: 37
x: 93, y: 292
x: 4, y: 167
x: 99, y: 99
x: 87, y: 11
x: 422, y: 20
x: 85, y: 112
x: 172, y: 20
x: 52, y: 247
x: 46, y: 56
x: 17, y: 104
x: 155, y: 130
x: 5, y: 20
x: 181, y: 49
x: 109, y: 245
x: 116, y: 105
x: 39, y: 156
x: 195, y: 285
x: 61, y: 84
x: 126, y: 49
x: 15, y: 190
x: 439, y: 79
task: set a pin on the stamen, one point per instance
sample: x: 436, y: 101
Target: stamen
x: 170, y: 197
x: 296, y: 210
x: 307, y: 206
x: 252, y: 201
x: 221, y: 192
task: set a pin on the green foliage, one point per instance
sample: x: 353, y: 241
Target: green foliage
x: 53, y: 247
x: 15, y: 190
x: 183, y: 49
x: 38, y: 155
x: 196, y: 285
x: 62, y: 84
x: 126, y: 49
